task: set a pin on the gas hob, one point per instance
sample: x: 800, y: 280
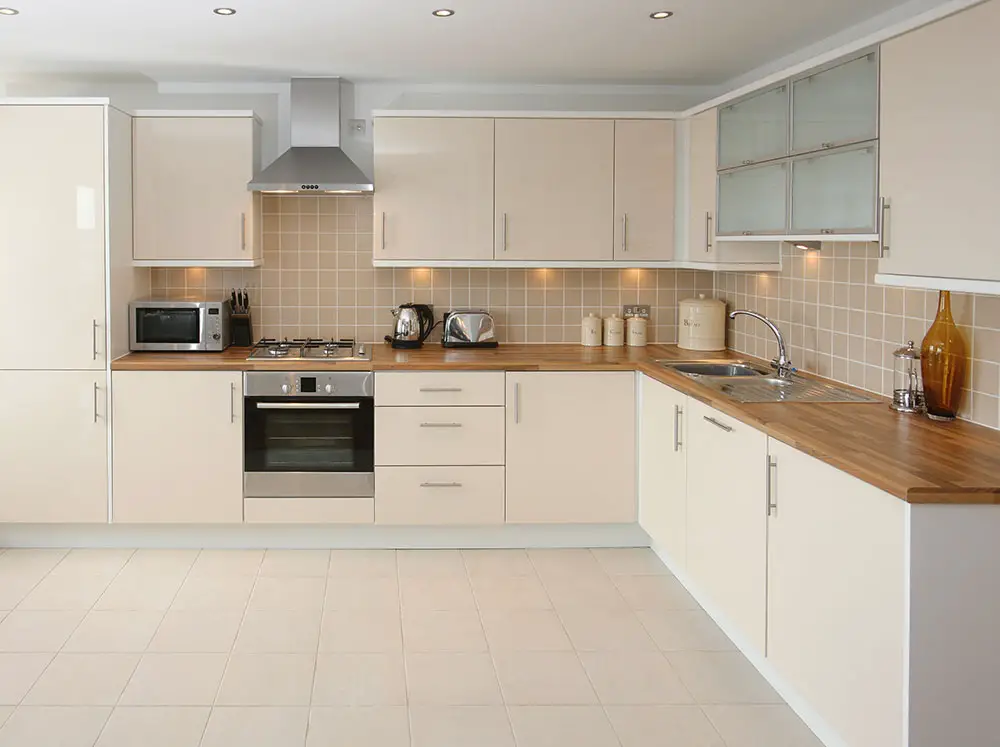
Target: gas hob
x: 310, y: 349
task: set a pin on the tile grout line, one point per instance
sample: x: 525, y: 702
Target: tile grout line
x: 319, y: 638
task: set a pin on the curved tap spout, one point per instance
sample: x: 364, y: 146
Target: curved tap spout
x: 782, y: 364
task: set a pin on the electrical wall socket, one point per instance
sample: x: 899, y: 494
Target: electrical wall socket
x: 639, y: 310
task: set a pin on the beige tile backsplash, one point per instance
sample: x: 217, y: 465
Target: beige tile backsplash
x: 318, y: 280
x: 838, y: 323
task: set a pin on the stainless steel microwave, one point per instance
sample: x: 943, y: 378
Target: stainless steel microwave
x: 181, y: 325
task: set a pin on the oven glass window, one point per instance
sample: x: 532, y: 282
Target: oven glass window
x: 309, y: 435
x: 167, y: 325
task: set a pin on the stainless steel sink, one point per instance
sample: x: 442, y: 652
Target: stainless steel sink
x: 707, y: 368
x: 773, y: 389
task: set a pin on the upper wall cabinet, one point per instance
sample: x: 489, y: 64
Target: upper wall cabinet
x: 940, y: 165
x: 191, y: 204
x: 754, y: 129
x: 836, y: 106
x: 434, y: 197
x: 644, y: 189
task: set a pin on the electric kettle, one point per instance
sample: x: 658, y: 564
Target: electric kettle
x: 414, y: 322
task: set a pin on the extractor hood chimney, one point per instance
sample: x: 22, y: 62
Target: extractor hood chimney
x: 315, y: 163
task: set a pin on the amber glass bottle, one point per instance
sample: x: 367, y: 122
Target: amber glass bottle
x: 943, y: 361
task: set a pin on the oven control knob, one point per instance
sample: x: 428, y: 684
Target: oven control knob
x: 328, y: 388
x: 216, y: 336
x: 285, y: 389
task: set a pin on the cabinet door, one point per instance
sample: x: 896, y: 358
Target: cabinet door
x: 754, y: 200
x: 836, y: 106
x: 177, y: 447
x: 727, y: 518
x: 663, y: 467
x: 835, y: 191
x: 570, y: 447
x: 703, y: 146
x: 555, y: 189
x: 52, y: 234
x: 435, y: 188
x: 644, y: 189
x: 836, y: 596
x: 754, y: 129
x: 190, y: 194
x: 939, y: 164
x: 54, y: 458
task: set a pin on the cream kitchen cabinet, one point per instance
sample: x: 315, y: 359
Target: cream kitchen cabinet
x: 554, y: 189
x: 191, y: 204
x: 702, y: 154
x: 644, y: 189
x: 54, y: 450
x: 177, y: 447
x: 571, y: 447
x: 727, y: 519
x: 663, y: 467
x: 435, y: 188
x: 939, y: 164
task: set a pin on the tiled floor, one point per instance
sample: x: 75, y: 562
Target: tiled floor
x: 286, y: 648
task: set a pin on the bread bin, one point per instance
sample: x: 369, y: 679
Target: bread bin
x: 702, y: 324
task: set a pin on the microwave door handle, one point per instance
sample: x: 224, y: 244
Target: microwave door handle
x: 308, y: 405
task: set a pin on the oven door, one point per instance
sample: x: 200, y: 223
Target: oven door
x: 309, y: 447
x: 168, y: 327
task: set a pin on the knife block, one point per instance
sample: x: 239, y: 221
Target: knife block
x: 242, y: 327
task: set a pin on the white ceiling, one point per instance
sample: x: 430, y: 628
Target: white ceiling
x: 707, y: 42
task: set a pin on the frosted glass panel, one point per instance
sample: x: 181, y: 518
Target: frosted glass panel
x: 753, y: 200
x: 835, y: 191
x: 755, y: 129
x: 836, y: 106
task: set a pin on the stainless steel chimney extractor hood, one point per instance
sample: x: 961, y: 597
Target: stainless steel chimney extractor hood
x: 315, y: 163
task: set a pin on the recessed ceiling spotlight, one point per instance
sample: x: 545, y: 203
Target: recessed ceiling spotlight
x: 9, y: 11
x: 443, y: 12
x: 659, y: 15
x: 225, y: 11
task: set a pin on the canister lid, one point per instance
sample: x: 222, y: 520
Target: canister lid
x: 907, y: 351
x: 703, y: 303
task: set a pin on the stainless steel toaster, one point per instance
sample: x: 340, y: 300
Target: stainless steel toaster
x: 469, y: 329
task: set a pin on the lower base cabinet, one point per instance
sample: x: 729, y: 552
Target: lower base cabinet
x: 439, y: 495
x: 177, y: 447
x: 53, y: 447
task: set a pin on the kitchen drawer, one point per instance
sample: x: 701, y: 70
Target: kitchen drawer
x: 424, y: 436
x: 308, y: 510
x: 436, y: 388
x: 439, y: 495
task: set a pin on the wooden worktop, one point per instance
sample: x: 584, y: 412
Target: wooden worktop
x: 908, y: 456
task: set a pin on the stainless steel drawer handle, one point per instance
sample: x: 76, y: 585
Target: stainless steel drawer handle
x: 382, y: 237
x: 440, y: 389
x: 772, y: 466
x: 624, y: 232
x: 96, y: 398
x: 440, y: 484
x: 308, y: 405
x: 883, y: 227
x: 717, y: 424
x: 678, y: 412
x: 708, y: 232
x: 243, y: 231
x: 503, y: 233
x: 440, y: 425
x: 232, y: 402
x: 94, y: 333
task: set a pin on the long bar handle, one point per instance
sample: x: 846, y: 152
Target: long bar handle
x: 503, y: 232
x: 440, y: 425
x: 440, y: 389
x: 678, y: 412
x: 243, y: 231
x: 232, y: 405
x: 96, y: 398
x: 883, y: 226
x: 624, y: 232
x: 517, y: 404
x: 772, y: 506
x: 383, y: 231
x: 440, y: 484
x: 717, y: 424
x: 94, y: 335
x: 708, y: 232
x: 308, y: 405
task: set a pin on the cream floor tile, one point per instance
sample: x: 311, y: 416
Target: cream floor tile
x: 227, y: 563
x: 754, y: 725
x: 630, y: 561
x: 634, y: 678
x: 362, y: 564
x: 510, y: 593
x: 655, y: 593
x: 559, y: 726
x: 53, y: 726
x: 175, y: 680
x: 295, y: 563
x: 37, y: 630
x: 721, y: 677
x: 5, y: 712
x: 564, y: 562
x: 279, y: 631
x: 656, y: 726
x: 31, y: 561
x: 197, y: 631
x: 359, y: 680
x: 367, y: 726
x: 139, y: 590
x: 593, y: 591
x: 525, y: 630
x: 256, y: 727
x: 18, y: 672
x: 214, y: 593
x: 436, y: 593
x: 362, y: 594
x: 93, y: 562
x: 66, y: 592
x: 267, y: 680
x: 443, y: 630
x: 414, y: 563
x: 543, y: 678
x: 162, y: 561
x: 114, y: 631
x: 288, y: 593
x: 83, y: 680
x: 451, y: 679
x: 358, y: 631
x: 154, y: 726
x: 15, y: 586
x: 490, y: 563
x: 460, y: 726
x: 684, y: 630
x: 616, y: 629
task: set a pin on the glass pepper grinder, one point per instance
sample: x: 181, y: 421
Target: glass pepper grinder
x: 907, y: 386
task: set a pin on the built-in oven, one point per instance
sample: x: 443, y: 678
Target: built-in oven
x: 180, y: 325
x: 309, y: 434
